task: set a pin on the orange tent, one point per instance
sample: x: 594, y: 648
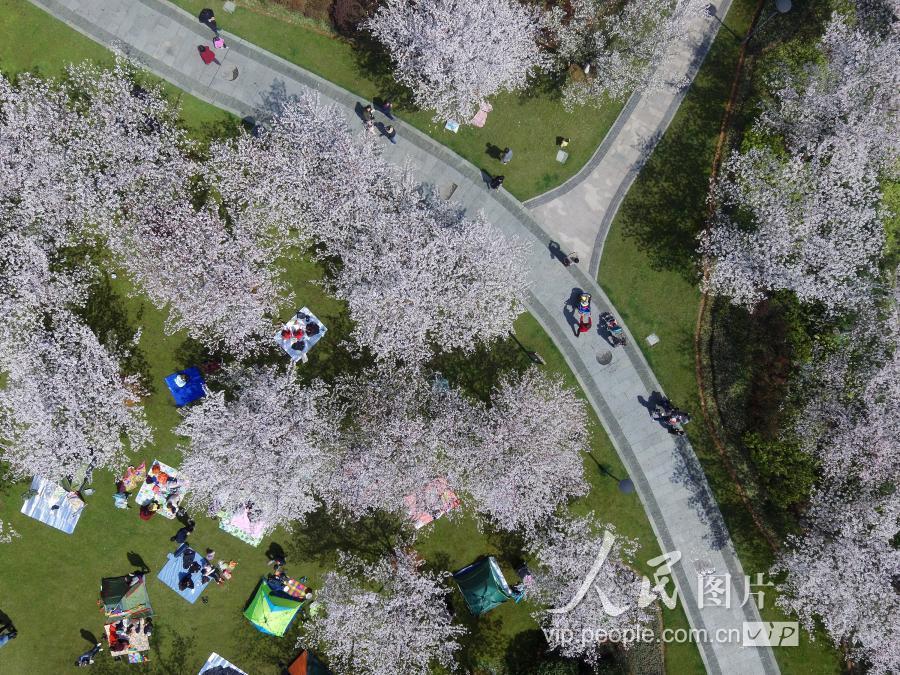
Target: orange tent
x: 307, y: 664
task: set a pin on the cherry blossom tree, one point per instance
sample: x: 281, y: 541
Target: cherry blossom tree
x: 422, y: 276
x: 66, y: 403
x: 32, y: 284
x: 804, y: 213
x: 42, y: 185
x: 304, y: 169
x: 454, y: 54
x: 386, y: 617
x: 848, y: 421
x: 566, y: 554
x: 525, y: 458
x: 263, y: 448
x: 396, y: 437
x: 842, y: 574
x: 619, y: 46
x: 216, y: 275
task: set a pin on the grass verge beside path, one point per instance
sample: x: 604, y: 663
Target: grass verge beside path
x: 649, y: 272
x: 529, y: 123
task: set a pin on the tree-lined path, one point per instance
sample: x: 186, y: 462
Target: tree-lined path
x: 580, y: 212
x: 666, y: 473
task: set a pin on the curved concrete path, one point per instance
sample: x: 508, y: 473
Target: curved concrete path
x: 578, y: 213
x: 666, y: 473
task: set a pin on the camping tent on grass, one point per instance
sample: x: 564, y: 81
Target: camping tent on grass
x: 271, y: 613
x: 483, y: 585
x: 307, y: 664
x: 217, y: 665
x: 123, y: 601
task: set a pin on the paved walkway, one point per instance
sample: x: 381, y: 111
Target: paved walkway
x: 578, y: 213
x: 666, y: 473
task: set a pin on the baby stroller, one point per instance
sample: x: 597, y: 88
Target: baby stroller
x: 616, y: 332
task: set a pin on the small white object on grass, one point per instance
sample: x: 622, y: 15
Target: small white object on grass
x: 652, y: 339
x: 229, y: 7
x: 452, y: 125
x: 562, y: 156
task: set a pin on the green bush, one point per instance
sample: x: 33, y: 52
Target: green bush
x: 785, y: 471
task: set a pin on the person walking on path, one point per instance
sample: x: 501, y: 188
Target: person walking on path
x: 207, y: 55
x: 506, y: 156
x: 368, y: 116
x: 496, y: 182
x: 391, y: 133
x: 388, y: 109
x: 208, y: 19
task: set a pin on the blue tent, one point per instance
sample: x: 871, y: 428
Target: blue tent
x: 194, y: 388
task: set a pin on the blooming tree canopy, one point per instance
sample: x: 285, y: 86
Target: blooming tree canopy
x: 565, y: 555
x: 394, y: 443
x: 455, y: 54
x: 388, y: 617
x: 263, y: 449
x: 843, y: 573
x: 622, y: 43
x: 525, y: 457
x: 422, y: 276
x: 66, y: 404
x: 803, y: 213
x: 218, y: 281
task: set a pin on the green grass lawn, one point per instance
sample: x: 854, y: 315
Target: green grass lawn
x: 529, y: 122
x: 649, y: 271
x: 50, y: 581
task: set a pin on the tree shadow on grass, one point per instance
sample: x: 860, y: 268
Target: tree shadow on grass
x: 107, y: 316
x: 373, y: 60
x: 483, y: 634
x: 324, y: 534
x: 479, y: 371
x: 666, y: 209
x: 171, y: 650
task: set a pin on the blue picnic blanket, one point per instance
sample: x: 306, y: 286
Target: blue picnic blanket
x: 49, y: 495
x: 189, y: 392
x: 175, y: 570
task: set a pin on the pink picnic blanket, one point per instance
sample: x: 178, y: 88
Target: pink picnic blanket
x: 481, y: 117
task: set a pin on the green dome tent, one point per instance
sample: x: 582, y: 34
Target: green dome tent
x: 483, y: 585
x: 124, y: 600
x: 271, y: 613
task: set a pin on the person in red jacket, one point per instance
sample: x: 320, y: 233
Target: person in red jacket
x: 207, y: 55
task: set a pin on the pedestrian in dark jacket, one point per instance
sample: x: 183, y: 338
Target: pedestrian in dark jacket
x: 182, y: 534
x: 207, y: 18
